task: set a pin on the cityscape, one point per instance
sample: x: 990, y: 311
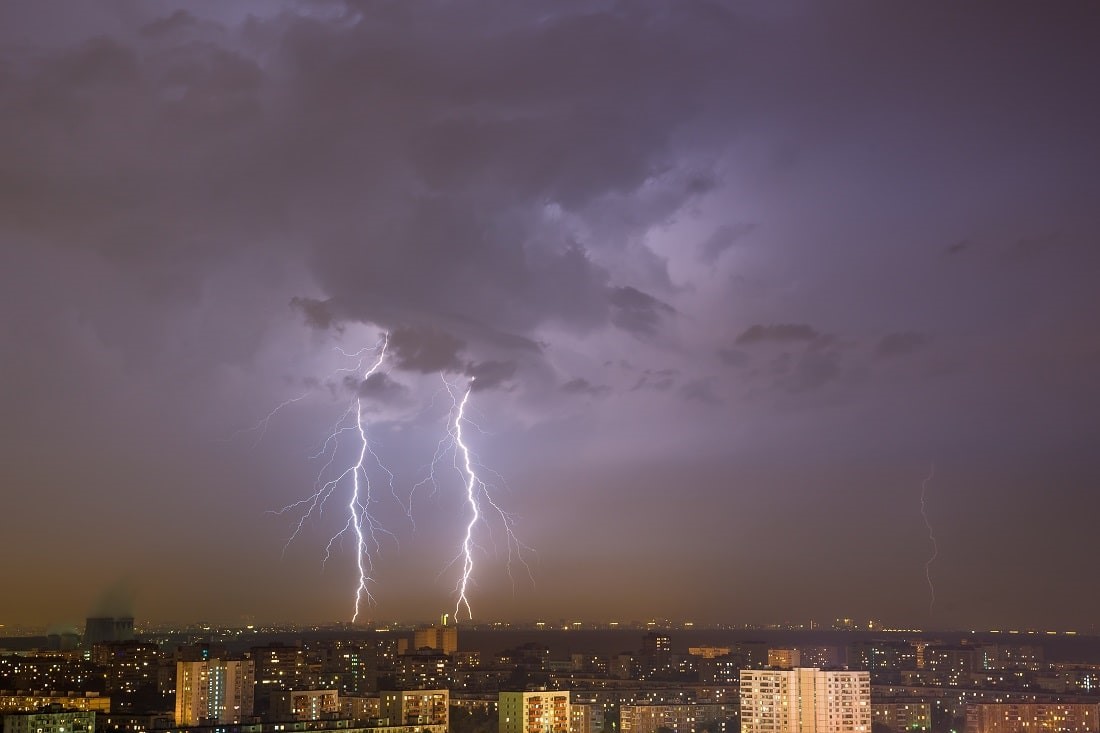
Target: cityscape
x: 549, y: 366
x: 547, y: 677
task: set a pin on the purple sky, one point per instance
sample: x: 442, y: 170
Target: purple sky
x: 733, y: 277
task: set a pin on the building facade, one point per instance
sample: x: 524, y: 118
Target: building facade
x: 805, y: 700
x: 441, y: 638
x: 304, y: 704
x: 903, y: 715
x: 534, y: 712
x: 215, y: 690
x: 680, y: 718
x: 416, y: 707
x: 1032, y: 718
x: 784, y: 658
x: 50, y: 719
x: 20, y: 703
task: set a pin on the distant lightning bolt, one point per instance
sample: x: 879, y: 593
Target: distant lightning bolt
x: 261, y: 426
x: 357, y: 506
x: 931, y: 539
x: 473, y: 486
x: 362, y: 525
x: 360, y: 522
x: 477, y: 496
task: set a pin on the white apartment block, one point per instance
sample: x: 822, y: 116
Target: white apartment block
x: 805, y: 700
x: 215, y: 690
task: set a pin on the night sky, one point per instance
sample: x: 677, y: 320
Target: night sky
x: 732, y: 279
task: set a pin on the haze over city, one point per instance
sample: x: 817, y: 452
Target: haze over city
x: 769, y: 311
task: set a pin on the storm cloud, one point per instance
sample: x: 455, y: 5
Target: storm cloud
x: 796, y: 250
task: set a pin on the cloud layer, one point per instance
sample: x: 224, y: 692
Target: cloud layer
x: 762, y: 258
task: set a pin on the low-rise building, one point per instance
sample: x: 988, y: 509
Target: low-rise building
x: 1032, y: 718
x: 13, y: 702
x: 50, y: 719
x: 304, y: 704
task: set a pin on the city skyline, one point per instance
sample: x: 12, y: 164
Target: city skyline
x: 749, y: 311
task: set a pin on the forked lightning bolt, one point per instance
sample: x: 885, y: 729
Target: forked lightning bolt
x: 473, y: 486
x: 360, y: 522
x: 931, y: 539
x: 477, y: 495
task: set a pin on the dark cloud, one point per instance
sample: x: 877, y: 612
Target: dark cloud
x: 809, y: 371
x: 317, y: 313
x: 701, y: 183
x: 425, y: 349
x: 722, y: 239
x: 521, y: 191
x: 700, y: 390
x: 380, y: 387
x: 490, y: 374
x: 459, y: 196
x: 637, y: 312
x: 734, y: 357
x: 177, y: 21
x: 658, y: 380
x: 901, y: 343
x: 778, y: 333
x: 479, y: 213
x: 579, y: 385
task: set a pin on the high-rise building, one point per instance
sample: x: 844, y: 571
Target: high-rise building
x: 951, y: 665
x: 442, y: 637
x: 420, y: 708
x: 818, y: 656
x: 586, y: 717
x: 754, y: 653
x: 910, y: 716
x: 805, y: 700
x: 1009, y: 656
x: 878, y: 656
x: 423, y: 669
x: 129, y: 667
x: 654, y: 644
x: 304, y: 705
x: 218, y: 690
x: 534, y: 712
x: 784, y: 658
x: 655, y: 658
x: 721, y: 671
x: 279, y: 668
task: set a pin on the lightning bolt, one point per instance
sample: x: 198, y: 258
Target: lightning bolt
x: 360, y: 522
x: 261, y: 426
x: 482, y: 509
x: 477, y: 497
x: 931, y: 539
x: 474, y: 485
